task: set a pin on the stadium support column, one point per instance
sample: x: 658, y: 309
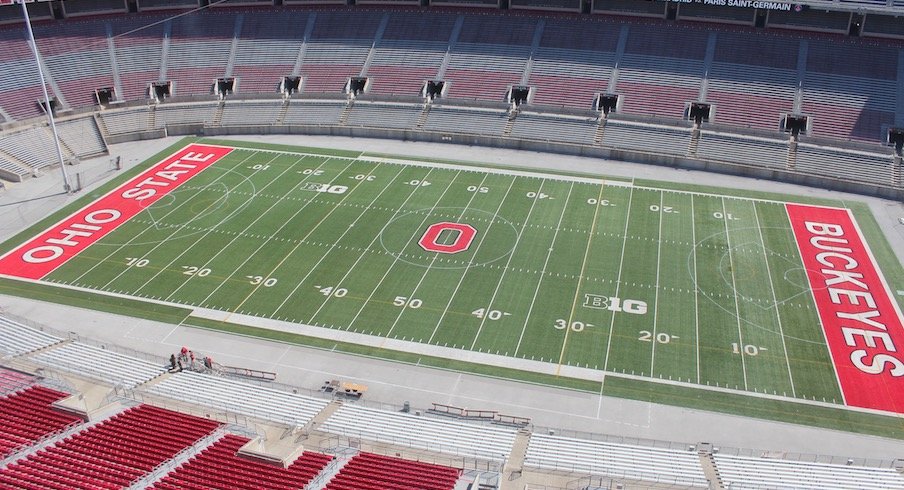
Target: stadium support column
x: 67, y: 187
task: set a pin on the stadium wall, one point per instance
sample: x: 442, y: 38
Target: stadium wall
x: 643, y: 157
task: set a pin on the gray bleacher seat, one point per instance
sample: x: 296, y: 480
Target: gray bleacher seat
x: 749, y: 473
x: 17, y: 339
x: 240, y: 398
x: 461, y: 438
x: 667, y: 466
x: 99, y: 364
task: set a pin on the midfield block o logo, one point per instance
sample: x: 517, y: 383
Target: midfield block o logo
x: 460, y: 234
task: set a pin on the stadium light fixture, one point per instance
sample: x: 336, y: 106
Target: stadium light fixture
x: 67, y: 187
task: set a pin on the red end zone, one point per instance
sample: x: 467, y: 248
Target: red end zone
x: 861, y: 321
x: 41, y: 255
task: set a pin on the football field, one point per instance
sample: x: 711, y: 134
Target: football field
x: 694, y: 287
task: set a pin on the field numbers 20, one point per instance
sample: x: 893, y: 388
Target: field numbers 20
x: 660, y: 338
x: 665, y: 209
x: 404, y: 302
x: 191, y: 270
x: 749, y: 349
x: 489, y: 314
x: 575, y: 326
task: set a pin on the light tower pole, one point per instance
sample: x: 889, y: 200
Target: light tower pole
x: 67, y: 187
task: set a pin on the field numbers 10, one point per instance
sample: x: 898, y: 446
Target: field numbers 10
x: 749, y: 349
x: 136, y: 262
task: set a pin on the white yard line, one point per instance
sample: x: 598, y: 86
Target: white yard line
x: 137, y: 235
x: 552, y: 246
x: 420, y: 281
x: 822, y: 327
x: 273, y: 235
x: 186, y: 250
x: 621, y: 264
x: 310, y: 232
x: 775, y: 302
x: 696, y: 289
x: 577, y: 288
x: 396, y: 258
x: 656, y: 293
x: 505, y: 269
x: 465, y: 271
x: 734, y: 287
x: 361, y: 256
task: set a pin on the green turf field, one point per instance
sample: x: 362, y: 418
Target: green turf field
x: 608, y: 275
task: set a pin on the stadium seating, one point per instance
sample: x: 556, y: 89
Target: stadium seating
x: 667, y: 466
x: 82, y: 137
x: 459, y: 438
x: 17, y: 339
x: 314, y: 112
x: 251, y: 113
x: 111, y: 454
x: 14, y: 380
x: 242, y: 398
x: 383, y: 115
x: 367, y: 471
x: 752, y: 78
x: 199, y: 52
x: 138, y: 51
x: 845, y: 165
x: 547, y: 127
x: 760, y: 473
x: 219, y: 467
x: 655, y: 139
x: 27, y: 415
x: 465, y: 120
x: 261, y: 61
x: 762, y: 152
x: 100, y: 364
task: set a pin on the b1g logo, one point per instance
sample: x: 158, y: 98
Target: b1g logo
x: 447, y: 237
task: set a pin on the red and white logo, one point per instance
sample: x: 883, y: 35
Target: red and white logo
x: 44, y: 253
x: 463, y: 236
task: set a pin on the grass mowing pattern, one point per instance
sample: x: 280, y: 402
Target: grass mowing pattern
x: 726, y: 301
